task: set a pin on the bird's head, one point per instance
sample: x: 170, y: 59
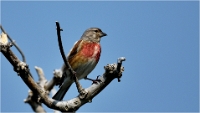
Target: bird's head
x: 93, y: 34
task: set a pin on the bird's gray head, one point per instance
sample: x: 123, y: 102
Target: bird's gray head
x: 93, y: 34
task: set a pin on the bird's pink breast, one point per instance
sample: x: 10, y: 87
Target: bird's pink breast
x: 86, y: 59
x: 91, y: 50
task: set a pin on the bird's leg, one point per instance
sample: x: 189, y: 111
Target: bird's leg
x: 95, y: 81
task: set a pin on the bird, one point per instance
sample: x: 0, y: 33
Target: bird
x: 83, y: 57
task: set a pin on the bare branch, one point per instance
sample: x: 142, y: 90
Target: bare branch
x: 33, y: 102
x: 13, y: 42
x: 82, y: 92
x: 32, y: 98
x: 22, y: 69
x: 119, y: 63
x: 55, y: 80
x: 42, y: 79
x: 40, y: 73
x: 48, y: 86
x: 75, y: 103
x: 112, y: 71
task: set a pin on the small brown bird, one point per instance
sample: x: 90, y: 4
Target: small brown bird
x: 83, y: 58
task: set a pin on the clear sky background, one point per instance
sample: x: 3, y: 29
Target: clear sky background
x: 160, y: 41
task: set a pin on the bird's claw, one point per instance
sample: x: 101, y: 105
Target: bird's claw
x: 94, y: 81
x: 97, y: 80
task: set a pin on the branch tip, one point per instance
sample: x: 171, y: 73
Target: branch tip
x: 120, y: 59
x: 58, y: 26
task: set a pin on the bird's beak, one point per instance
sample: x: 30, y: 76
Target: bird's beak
x: 103, y: 34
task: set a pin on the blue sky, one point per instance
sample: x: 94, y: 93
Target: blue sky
x: 160, y: 41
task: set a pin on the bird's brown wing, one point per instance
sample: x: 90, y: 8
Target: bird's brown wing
x: 75, y: 49
x: 72, y: 53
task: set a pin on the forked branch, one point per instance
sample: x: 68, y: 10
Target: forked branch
x: 112, y: 71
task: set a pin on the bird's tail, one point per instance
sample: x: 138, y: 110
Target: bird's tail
x: 62, y: 91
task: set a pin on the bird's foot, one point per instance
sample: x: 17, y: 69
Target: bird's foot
x: 95, y: 81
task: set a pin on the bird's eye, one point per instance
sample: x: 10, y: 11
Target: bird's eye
x: 96, y: 31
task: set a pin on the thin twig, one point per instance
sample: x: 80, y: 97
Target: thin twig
x: 17, y: 47
x: 79, y: 87
x: 119, y: 64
